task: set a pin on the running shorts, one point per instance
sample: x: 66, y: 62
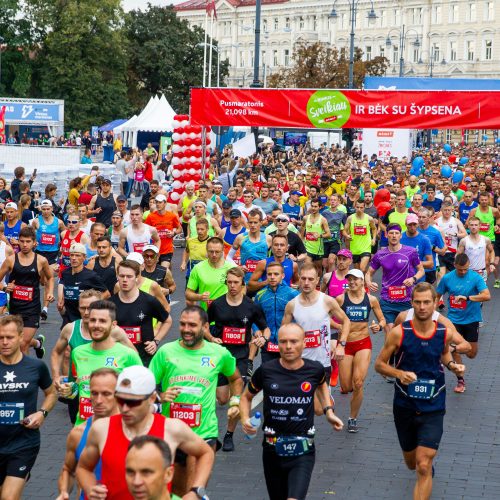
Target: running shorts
x: 392, y: 309
x: 470, y: 331
x: 351, y: 348
x: 18, y: 464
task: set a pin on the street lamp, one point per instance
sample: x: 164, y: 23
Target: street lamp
x: 214, y: 47
x: 432, y: 61
x: 353, y: 7
x: 403, y: 33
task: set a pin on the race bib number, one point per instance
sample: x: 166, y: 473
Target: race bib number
x: 272, y: 347
x: 11, y: 413
x: 133, y: 333
x: 313, y: 339
x: 85, y: 408
x: 251, y: 265
x: 162, y: 234
x: 190, y: 414
x: 484, y: 227
x: 48, y: 239
x: 289, y: 446
x: 448, y: 240
x: 23, y: 293
x: 457, y: 303
x: 421, y: 389
x: 359, y: 230
x: 71, y: 292
x: 311, y: 237
x: 139, y: 247
x: 231, y: 335
x: 397, y: 292
x: 237, y: 261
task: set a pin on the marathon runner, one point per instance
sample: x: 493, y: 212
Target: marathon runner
x: 421, y: 243
x: 231, y: 232
x: 103, y: 204
x: 336, y: 219
x: 105, y: 263
x: 97, y: 230
x: 26, y: 270
x: 357, y: 305
x: 487, y: 216
x: 154, y: 271
x: 115, y: 229
x: 296, y: 249
x: 466, y: 291
x: 12, y: 225
x: 421, y: 347
x: 136, y: 310
x: 135, y: 237
x: 466, y: 206
x: 185, y: 205
x: 72, y: 235
x: 289, y: 385
x: 200, y: 212
x: 109, y: 438
x: 20, y: 415
x: 196, y: 248
x: 85, y: 222
x: 231, y: 317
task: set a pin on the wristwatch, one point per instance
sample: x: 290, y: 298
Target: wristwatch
x: 45, y: 413
x: 201, y: 492
x: 326, y: 408
x: 343, y: 343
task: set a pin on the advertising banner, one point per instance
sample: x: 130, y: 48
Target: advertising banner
x: 2, y: 125
x: 165, y: 142
x: 330, y: 109
x: 32, y: 112
x: 388, y: 142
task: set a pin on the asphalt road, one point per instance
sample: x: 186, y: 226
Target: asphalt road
x: 348, y: 466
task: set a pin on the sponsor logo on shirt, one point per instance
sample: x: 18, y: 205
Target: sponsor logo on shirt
x: 207, y: 361
x: 305, y: 386
x: 291, y: 400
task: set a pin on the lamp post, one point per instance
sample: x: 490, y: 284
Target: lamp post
x: 403, y: 33
x: 256, y: 61
x: 432, y: 61
x: 212, y: 47
x: 353, y: 8
x: 2, y: 39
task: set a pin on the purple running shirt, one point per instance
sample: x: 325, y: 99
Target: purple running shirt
x: 396, y: 267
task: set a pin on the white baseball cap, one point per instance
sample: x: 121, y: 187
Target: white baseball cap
x: 135, y: 257
x: 78, y: 248
x: 136, y: 381
x: 161, y: 197
x: 11, y: 204
x: 153, y: 248
x: 46, y: 203
x: 357, y: 273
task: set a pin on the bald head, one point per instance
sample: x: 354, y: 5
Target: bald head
x: 291, y: 329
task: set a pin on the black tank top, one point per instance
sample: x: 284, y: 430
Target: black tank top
x: 157, y: 275
x: 357, y: 313
x: 108, y: 274
x: 108, y: 206
x: 25, y: 297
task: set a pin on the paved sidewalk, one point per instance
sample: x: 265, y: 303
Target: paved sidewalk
x: 349, y: 466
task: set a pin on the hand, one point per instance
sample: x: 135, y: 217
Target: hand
x: 248, y: 428
x: 375, y: 327
x: 492, y: 268
x: 216, y: 340
x: 10, y: 287
x: 98, y: 492
x: 233, y: 412
x: 150, y: 346
x: 259, y: 341
x: 50, y: 298
x: 347, y: 237
x: 373, y: 286
x: 460, y: 297
x: 335, y: 421
x: 57, y: 383
x: 409, y: 282
x: 407, y: 377
x: 60, y: 305
x: 97, y: 210
x: 205, y: 296
x: 64, y: 390
x: 339, y: 352
x: 170, y: 394
x: 183, y: 267
x: 458, y: 369
x: 33, y: 421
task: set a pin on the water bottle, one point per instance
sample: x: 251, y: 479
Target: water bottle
x: 74, y: 387
x: 255, y: 422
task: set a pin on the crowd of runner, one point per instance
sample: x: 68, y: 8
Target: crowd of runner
x: 280, y: 253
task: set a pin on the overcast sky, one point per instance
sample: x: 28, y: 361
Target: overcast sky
x: 142, y: 4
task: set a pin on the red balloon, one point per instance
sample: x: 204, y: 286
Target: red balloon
x: 197, y: 141
x: 452, y: 158
x: 380, y: 196
x: 189, y: 177
x: 179, y: 190
x: 207, y: 141
x: 197, y: 165
x: 188, y: 142
x: 208, y: 129
x: 196, y: 177
x: 180, y: 130
x: 188, y: 165
x: 383, y: 207
x: 196, y: 129
x: 196, y: 153
x: 178, y: 118
x: 180, y: 142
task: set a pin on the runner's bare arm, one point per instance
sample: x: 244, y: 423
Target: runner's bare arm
x: 326, y: 228
x: 377, y: 311
x: 346, y: 232
x: 325, y: 281
x: 462, y: 233
x: 66, y: 477
x: 334, y: 309
x: 48, y: 275
x: 7, y: 266
x: 254, y: 285
x: 155, y: 238
x: 57, y: 354
x: 461, y: 345
x: 164, y: 329
x: 121, y: 243
x: 323, y: 394
x: 288, y: 314
x: 245, y: 407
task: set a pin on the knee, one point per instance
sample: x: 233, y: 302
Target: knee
x: 472, y: 353
x: 357, y: 384
x: 223, y: 399
x: 424, y: 466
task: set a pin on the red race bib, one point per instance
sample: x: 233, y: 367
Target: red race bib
x: 272, y: 347
x: 231, y: 335
x: 139, y: 247
x: 313, y: 339
x: 359, y: 230
x: 48, y: 239
x: 397, y: 292
x: 162, y: 234
x: 85, y: 408
x: 251, y: 265
x: 23, y: 293
x: 484, y: 226
x: 133, y: 333
x: 190, y: 414
x: 237, y: 261
x: 311, y: 237
x: 457, y: 303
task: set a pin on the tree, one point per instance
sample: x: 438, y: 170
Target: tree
x: 318, y: 66
x: 165, y: 56
x: 82, y: 59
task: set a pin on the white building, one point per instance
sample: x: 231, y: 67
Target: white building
x: 456, y: 38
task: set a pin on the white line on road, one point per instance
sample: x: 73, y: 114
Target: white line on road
x: 257, y: 400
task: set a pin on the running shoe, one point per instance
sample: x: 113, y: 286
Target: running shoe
x: 460, y: 386
x: 497, y: 284
x: 441, y: 305
x: 43, y: 315
x: 334, y: 377
x: 228, y: 444
x: 40, y: 351
x: 481, y: 324
x: 352, y: 425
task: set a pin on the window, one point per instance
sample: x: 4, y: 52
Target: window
x: 415, y: 57
x: 276, y: 24
x: 383, y: 19
x: 263, y: 58
x: 275, y: 58
x: 453, y: 51
x: 301, y: 23
x: 471, y: 12
x: 368, y: 53
x: 466, y: 136
x: 343, y: 21
x: 470, y: 50
x: 286, y: 57
x: 381, y: 51
x: 264, y: 25
x: 287, y: 23
x: 241, y: 59
x: 227, y: 28
x: 396, y: 14
x: 315, y: 23
x: 395, y: 54
x: 436, y: 14
x: 448, y: 135
x: 489, y: 11
x: 488, y: 50
x: 453, y: 18
x: 251, y: 58
x: 417, y: 15
x: 436, y: 52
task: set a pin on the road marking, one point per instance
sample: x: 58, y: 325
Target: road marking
x: 174, y: 302
x: 257, y: 400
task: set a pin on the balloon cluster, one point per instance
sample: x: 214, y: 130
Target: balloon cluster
x: 187, y: 160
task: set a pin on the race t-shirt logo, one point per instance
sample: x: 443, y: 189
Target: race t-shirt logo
x: 207, y: 361
x: 306, y: 386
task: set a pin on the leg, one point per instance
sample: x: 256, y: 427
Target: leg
x: 12, y: 488
x: 423, y: 487
x: 473, y: 352
x: 361, y: 362
x: 28, y: 341
x: 299, y: 476
x: 345, y: 374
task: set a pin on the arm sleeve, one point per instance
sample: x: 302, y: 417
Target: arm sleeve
x: 375, y: 263
x: 255, y: 384
x: 156, y: 366
x: 481, y: 285
x: 158, y: 311
x: 415, y: 259
x: 193, y: 282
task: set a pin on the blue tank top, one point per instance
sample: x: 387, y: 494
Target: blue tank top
x: 224, y: 223
x: 287, y: 266
x: 79, y: 451
x: 423, y: 357
x: 47, y: 235
x: 12, y: 232
x: 229, y: 237
x: 253, y: 251
x: 357, y: 313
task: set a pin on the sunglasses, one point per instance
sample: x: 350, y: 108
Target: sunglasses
x: 73, y: 221
x: 131, y: 403
x: 281, y: 220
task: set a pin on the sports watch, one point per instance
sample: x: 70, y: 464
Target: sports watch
x: 201, y: 492
x: 343, y: 343
x: 45, y: 413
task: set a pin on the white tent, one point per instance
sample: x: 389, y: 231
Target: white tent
x: 119, y: 129
x: 157, y: 116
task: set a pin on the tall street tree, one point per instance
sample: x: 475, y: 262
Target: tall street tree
x: 319, y: 65
x: 165, y: 56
